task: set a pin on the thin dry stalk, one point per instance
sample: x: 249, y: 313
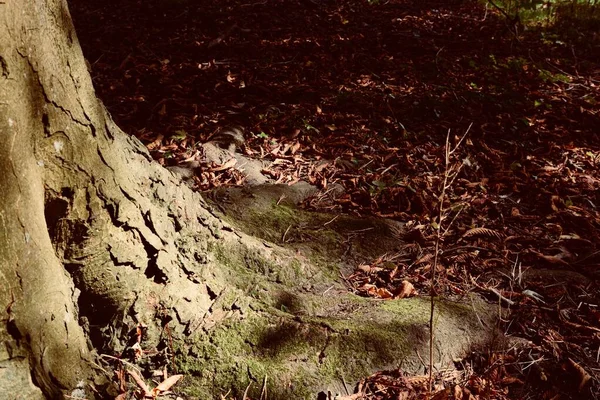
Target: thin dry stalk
x: 449, y: 176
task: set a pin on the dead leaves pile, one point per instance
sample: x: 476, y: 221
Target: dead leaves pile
x: 357, y: 97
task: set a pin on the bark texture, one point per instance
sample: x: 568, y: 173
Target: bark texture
x: 38, y: 115
x: 84, y: 213
x: 97, y: 240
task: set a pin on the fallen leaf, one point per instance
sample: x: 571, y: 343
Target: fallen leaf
x: 167, y: 383
x: 227, y: 165
x: 582, y: 374
x: 140, y: 382
x: 406, y: 290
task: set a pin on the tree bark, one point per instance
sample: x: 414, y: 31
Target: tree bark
x: 98, y: 241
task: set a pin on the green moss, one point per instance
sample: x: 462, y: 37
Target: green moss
x: 248, y: 266
x: 269, y: 347
x: 235, y: 355
x: 302, y: 340
x: 307, y: 341
x: 413, y: 309
x: 271, y: 223
x: 284, y: 224
x: 324, y: 238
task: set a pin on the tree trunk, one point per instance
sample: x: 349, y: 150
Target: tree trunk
x: 98, y: 241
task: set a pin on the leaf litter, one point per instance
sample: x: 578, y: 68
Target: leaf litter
x: 361, y: 95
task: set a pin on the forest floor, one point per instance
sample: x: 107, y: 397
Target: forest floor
x: 364, y: 95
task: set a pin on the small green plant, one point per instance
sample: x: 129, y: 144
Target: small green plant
x: 179, y: 135
x: 549, y: 77
x: 540, y: 103
x: 309, y: 127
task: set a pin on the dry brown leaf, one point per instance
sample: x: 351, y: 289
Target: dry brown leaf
x: 458, y: 392
x: 166, y: 384
x: 373, y: 290
x: 421, y: 381
x: 140, y: 382
x: 295, y: 147
x: 231, y: 77
x: 557, y: 203
x: 155, y: 143
x: 424, y: 259
x: 483, y: 232
x: 368, y: 287
x: 404, y: 395
x: 163, y: 110
x: 227, y: 165
x: 406, y: 290
x: 120, y: 375
x: 364, y: 268
x: 384, y: 293
x: 322, y: 165
x: 443, y: 394
x: 582, y: 374
x: 551, y: 259
x: 509, y: 380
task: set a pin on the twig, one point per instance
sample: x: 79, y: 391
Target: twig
x: 120, y: 360
x: 260, y: 3
x: 263, y: 391
x: 360, y: 230
x: 475, y: 311
x: 513, y: 20
x: 501, y: 298
x: 345, y: 386
x: 245, y: 396
x: 328, y: 289
x: 331, y: 220
x: 285, y: 233
x: 453, y: 219
x: 502, y: 11
x: 461, y: 139
x: 485, y: 15
x: 223, y: 36
x: 364, y: 165
x: 436, y: 57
